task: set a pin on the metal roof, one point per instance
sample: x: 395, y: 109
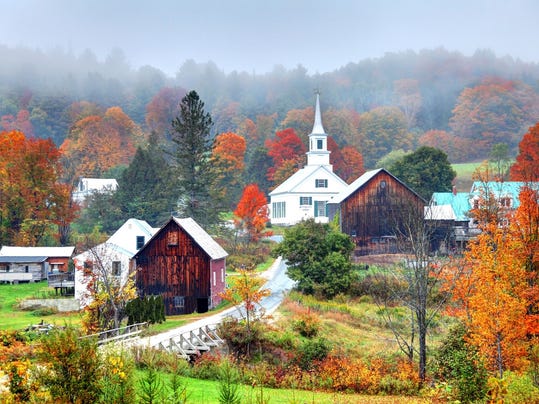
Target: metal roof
x: 300, y: 176
x: 6, y: 259
x: 37, y: 251
x: 459, y: 203
x: 203, y: 239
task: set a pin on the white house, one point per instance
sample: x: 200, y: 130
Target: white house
x: 307, y: 192
x: 88, y: 186
x: 112, y: 257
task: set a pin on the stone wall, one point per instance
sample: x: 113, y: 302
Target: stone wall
x: 60, y: 305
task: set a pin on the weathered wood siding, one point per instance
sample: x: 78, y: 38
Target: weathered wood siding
x: 372, y: 214
x: 180, y: 271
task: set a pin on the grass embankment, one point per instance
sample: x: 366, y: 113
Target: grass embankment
x: 12, y: 318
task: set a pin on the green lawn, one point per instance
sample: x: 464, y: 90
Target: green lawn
x: 207, y: 392
x: 11, y: 318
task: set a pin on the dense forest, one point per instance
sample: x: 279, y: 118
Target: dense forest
x: 400, y: 101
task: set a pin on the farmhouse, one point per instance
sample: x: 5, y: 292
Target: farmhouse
x: 24, y: 264
x: 185, y: 265
x: 307, y: 192
x: 452, y: 211
x: 88, y: 186
x: 373, y: 208
x: 112, y: 258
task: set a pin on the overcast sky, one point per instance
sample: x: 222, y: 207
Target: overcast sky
x: 256, y: 35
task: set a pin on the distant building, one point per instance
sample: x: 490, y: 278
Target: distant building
x: 20, y: 264
x: 88, y: 186
x: 307, y: 192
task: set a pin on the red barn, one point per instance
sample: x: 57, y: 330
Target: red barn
x: 373, y: 208
x: 185, y: 265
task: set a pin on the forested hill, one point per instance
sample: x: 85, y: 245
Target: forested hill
x: 433, y: 89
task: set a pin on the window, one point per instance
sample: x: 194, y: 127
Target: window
x: 140, y: 242
x: 214, y: 279
x: 321, y: 183
x: 320, y: 208
x: 26, y: 269
x: 172, y: 238
x: 179, y: 302
x: 278, y: 210
x: 4, y: 268
x: 319, y: 144
x: 505, y: 202
x: 116, y: 268
x: 305, y: 200
x: 88, y: 265
x: 223, y: 275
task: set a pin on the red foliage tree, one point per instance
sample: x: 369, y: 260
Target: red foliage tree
x: 526, y: 167
x: 286, y: 147
x: 252, y: 212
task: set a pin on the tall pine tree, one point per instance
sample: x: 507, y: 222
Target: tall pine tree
x: 145, y: 188
x: 193, y: 146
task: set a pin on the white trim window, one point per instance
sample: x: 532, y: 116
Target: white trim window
x: 278, y: 210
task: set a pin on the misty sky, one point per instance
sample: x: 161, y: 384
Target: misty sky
x: 255, y: 35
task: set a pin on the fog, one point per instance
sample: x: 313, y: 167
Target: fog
x: 256, y: 36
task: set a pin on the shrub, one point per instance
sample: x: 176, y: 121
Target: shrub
x: 71, y: 368
x: 460, y: 366
x: 520, y: 389
x: 207, y: 366
x: 117, y: 383
x: 312, y: 351
x: 307, y: 324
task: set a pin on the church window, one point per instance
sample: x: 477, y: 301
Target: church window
x: 321, y: 183
x: 319, y: 144
x: 305, y: 200
x: 278, y: 210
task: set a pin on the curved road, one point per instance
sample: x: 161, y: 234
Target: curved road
x: 277, y: 282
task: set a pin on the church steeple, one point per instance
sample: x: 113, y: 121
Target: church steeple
x: 318, y: 153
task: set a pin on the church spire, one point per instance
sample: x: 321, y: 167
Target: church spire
x: 317, y: 127
x: 318, y: 153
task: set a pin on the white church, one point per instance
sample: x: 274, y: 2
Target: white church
x: 307, y: 192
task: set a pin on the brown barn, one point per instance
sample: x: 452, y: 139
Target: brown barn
x: 185, y: 265
x: 372, y: 209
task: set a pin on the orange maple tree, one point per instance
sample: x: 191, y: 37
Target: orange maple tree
x: 526, y: 167
x: 252, y: 213
x: 31, y: 197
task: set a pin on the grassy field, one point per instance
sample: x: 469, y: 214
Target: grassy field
x: 464, y: 171
x: 11, y: 318
x: 207, y: 392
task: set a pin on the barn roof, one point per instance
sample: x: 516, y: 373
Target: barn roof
x: 37, y: 251
x: 203, y: 239
x: 362, y: 180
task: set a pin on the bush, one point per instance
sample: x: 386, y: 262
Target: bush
x: 307, y: 324
x: 520, y: 389
x: 312, y: 351
x: 460, y: 366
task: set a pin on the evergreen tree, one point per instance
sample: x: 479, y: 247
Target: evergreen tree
x: 145, y: 188
x: 193, y: 146
x: 426, y: 170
